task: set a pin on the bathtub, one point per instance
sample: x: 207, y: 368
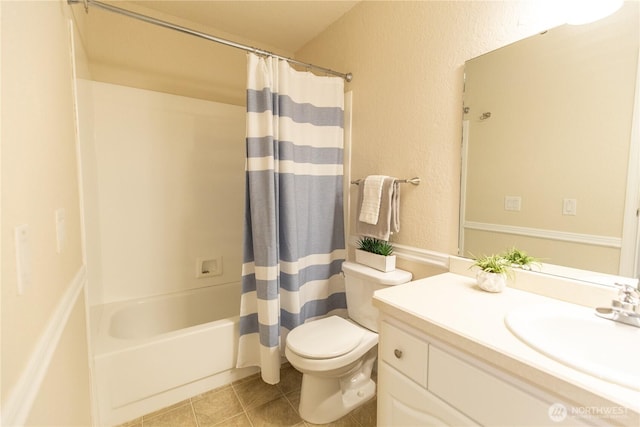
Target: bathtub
x: 153, y: 352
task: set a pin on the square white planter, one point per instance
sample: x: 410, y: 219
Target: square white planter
x: 379, y: 262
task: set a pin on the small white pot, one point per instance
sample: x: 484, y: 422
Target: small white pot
x: 379, y: 262
x: 491, y: 282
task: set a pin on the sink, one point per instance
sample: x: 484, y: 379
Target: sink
x: 576, y: 337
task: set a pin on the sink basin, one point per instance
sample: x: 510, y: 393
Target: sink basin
x: 578, y: 338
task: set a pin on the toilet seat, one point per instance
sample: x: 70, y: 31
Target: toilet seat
x: 325, y: 338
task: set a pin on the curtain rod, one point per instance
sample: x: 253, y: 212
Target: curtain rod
x: 347, y: 76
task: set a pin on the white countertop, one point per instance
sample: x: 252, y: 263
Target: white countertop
x: 453, y: 309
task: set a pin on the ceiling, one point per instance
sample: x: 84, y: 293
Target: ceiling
x: 287, y: 25
x: 130, y: 52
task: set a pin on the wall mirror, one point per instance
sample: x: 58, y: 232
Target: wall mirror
x: 550, y: 152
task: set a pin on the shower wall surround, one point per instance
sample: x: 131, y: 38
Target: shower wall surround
x: 164, y: 187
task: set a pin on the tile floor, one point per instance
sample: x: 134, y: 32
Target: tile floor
x: 249, y: 403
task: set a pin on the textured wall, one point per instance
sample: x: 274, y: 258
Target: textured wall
x: 407, y: 59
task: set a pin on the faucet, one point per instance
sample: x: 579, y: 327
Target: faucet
x: 625, y: 308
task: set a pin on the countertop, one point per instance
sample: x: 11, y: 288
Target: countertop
x: 453, y: 309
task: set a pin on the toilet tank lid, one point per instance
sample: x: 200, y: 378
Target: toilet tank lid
x: 395, y: 277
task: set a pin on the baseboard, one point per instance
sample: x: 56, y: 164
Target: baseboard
x: 21, y: 398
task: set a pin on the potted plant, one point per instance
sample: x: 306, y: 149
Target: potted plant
x: 494, y: 272
x: 520, y: 259
x: 376, y: 254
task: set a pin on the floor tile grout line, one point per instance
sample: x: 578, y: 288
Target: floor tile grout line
x: 193, y: 411
x: 245, y: 409
x: 242, y: 405
x: 235, y: 392
x: 291, y: 404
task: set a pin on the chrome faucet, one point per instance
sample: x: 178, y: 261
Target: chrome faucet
x: 625, y: 308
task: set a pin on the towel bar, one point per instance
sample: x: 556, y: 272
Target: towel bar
x: 414, y: 181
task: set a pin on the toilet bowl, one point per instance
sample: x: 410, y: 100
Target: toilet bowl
x: 336, y: 355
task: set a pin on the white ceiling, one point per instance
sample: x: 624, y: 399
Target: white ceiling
x: 287, y: 25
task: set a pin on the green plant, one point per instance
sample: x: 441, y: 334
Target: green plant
x: 376, y: 246
x: 494, y: 264
x: 520, y: 258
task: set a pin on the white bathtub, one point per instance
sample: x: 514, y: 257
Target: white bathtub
x: 153, y: 352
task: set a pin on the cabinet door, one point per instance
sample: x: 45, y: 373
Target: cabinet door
x: 491, y: 400
x: 401, y: 402
x: 405, y: 352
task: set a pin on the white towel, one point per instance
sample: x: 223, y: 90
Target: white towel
x: 371, y: 194
x: 389, y: 214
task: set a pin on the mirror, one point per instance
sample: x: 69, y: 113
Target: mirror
x: 550, y: 161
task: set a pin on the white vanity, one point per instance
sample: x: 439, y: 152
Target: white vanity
x: 447, y: 357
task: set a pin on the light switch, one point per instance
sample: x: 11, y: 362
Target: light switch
x: 512, y: 203
x: 23, y: 257
x: 569, y: 207
x: 61, y: 230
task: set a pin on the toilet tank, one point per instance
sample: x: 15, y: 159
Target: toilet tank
x: 360, y: 283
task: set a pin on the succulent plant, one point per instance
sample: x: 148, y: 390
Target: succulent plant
x: 376, y: 246
x: 520, y: 258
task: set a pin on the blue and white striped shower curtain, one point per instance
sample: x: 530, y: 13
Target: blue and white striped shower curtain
x: 294, y: 226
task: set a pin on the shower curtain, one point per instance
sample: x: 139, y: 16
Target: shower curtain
x: 294, y: 226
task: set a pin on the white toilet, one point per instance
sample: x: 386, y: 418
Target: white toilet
x: 336, y: 355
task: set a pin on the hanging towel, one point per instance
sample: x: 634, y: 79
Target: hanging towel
x: 371, y: 190
x: 388, y: 215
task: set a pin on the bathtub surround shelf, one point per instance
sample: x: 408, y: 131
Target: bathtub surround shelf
x: 208, y: 267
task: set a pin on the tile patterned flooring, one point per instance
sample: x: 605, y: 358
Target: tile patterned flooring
x: 249, y: 403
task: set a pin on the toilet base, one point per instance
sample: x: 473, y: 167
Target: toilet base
x: 325, y: 399
x: 329, y: 403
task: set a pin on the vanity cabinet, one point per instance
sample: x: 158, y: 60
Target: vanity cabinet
x: 423, y: 382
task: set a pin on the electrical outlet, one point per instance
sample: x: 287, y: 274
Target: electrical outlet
x: 512, y: 203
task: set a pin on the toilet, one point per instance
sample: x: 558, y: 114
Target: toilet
x: 336, y: 355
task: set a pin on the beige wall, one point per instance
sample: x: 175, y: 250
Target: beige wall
x: 407, y: 59
x: 39, y: 176
x: 64, y: 398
